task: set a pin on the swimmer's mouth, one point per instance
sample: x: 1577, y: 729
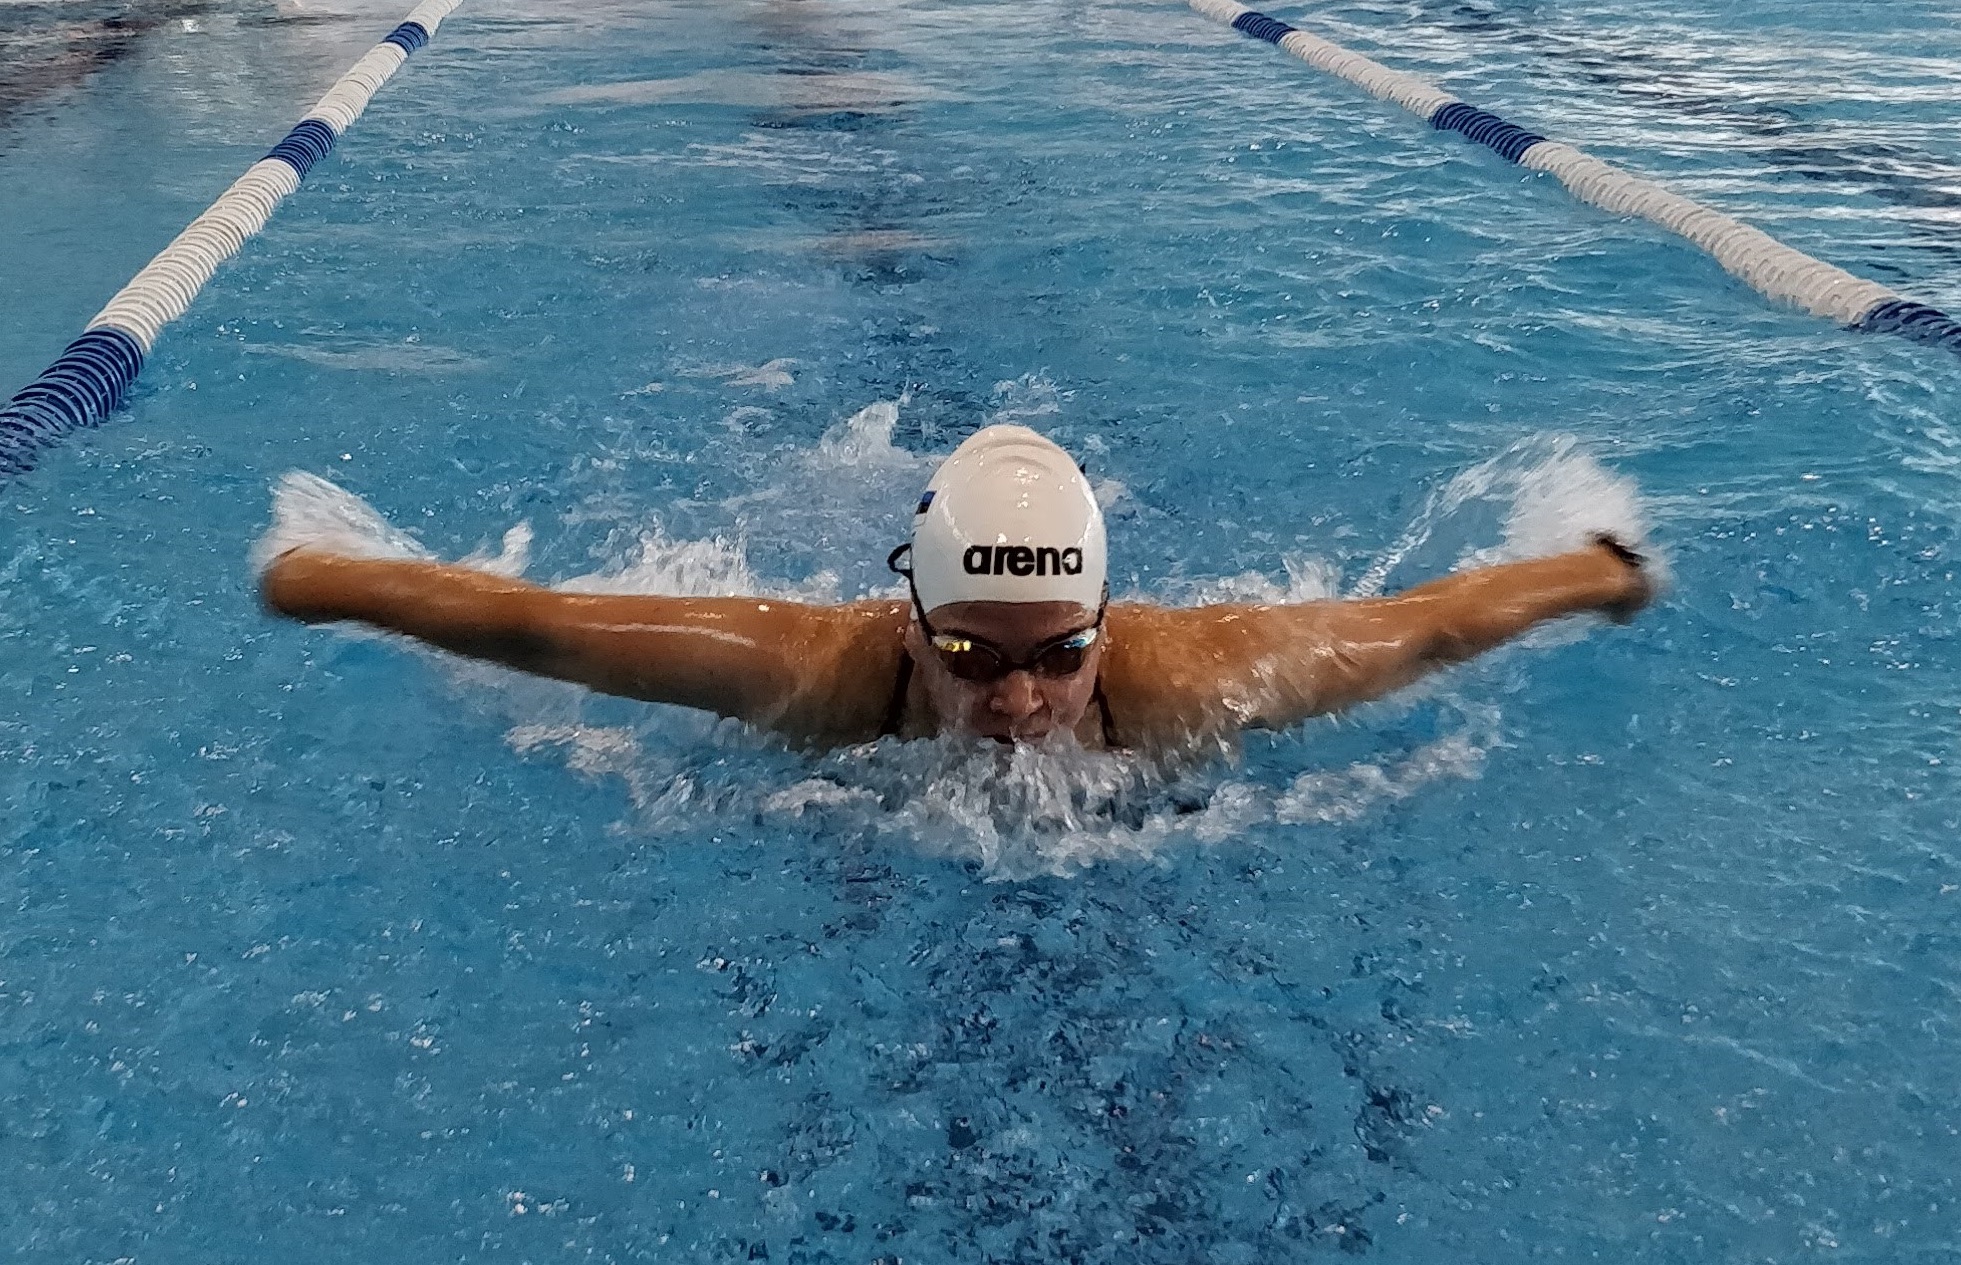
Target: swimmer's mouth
x: 1023, y: 739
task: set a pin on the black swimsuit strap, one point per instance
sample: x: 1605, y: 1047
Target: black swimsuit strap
x: 1109, y: 725
x: 895, y: 711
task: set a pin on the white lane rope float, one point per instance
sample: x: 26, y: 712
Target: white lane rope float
x: 87, y: 381
x: 1751, y: 255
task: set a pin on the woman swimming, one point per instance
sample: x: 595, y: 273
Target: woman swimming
x: 1008, y: 632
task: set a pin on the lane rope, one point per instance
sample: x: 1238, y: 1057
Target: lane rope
x: 1751, y: 255
x: 87, y: 380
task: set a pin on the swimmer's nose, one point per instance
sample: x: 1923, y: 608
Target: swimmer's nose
x: 1015, y: 697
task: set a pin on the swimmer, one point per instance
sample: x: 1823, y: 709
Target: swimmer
x: 1007, y: 632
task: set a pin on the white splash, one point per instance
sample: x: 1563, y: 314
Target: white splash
x: 1024, y: 811
x: 842, y: 503
x: 1553, y: 497
x: 309, y: 511
x: 1331, y: 796
x: 660, y: 789
x: 1021, y: 400
x: 714, y: 567
x: 1308, y: 580
x: 510, y: 560
x: 864, y: 441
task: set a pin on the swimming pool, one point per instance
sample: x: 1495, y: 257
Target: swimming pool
x: 1629, y: 946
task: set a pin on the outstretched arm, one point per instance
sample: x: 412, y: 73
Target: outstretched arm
x: 1379, y: 645
x: 1216, y: 668
x: 784, y: 665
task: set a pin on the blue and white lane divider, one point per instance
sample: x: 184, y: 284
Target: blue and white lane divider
x: 87, y: 381
x: 1752, y: 255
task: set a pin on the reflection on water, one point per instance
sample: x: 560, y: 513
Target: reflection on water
x: 48, y: 48
x: 1825, y: 118
x: 141, y: 113
x: 795, y: 92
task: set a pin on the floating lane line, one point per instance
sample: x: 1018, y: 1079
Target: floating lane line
x: 87, y: 380
x: 1749, y: 254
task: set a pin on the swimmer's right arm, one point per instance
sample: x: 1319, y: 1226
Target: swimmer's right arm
x: 782, y: 665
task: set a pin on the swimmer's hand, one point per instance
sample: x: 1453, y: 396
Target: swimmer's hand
x: 304, y: 584
x: 1637, y: 581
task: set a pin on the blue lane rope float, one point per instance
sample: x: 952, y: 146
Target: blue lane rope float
x: 1752, y: 256
x: 87, y: 380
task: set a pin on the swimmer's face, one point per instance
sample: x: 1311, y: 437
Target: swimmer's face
x: 1022, y: 706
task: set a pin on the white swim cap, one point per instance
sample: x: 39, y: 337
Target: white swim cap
x: 1008, y: 518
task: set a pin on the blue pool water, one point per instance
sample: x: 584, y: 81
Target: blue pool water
x: 1622, y: 945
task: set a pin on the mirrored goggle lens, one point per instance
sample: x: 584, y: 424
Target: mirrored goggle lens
x: 1060, y: 660
x: 971, y: 662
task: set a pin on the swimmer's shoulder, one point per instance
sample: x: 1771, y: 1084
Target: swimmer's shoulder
x: 1149, y: 686
x: 846, y: 662
x: 1174, y: 676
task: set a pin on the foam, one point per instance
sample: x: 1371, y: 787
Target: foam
x: 1022, y: 812
x: 1343, y: 795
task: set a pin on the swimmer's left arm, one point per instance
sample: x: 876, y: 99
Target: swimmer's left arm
x: 1175, y: 676
x: 1325, y: 656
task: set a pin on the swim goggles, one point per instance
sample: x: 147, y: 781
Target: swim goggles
x: 978, y: 662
